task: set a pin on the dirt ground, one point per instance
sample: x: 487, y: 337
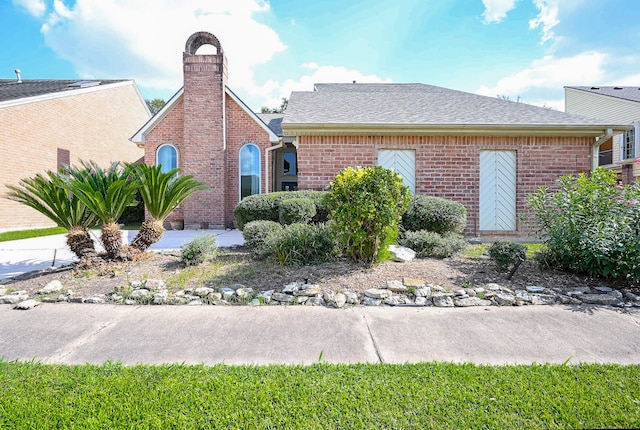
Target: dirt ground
x: 236, y: 266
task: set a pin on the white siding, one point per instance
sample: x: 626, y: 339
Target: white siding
x: 601, y: 107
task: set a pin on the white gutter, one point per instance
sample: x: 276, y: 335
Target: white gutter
x: 596, y: 144
x: 267, y: 166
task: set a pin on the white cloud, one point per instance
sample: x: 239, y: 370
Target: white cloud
x: 550, y: 75
x: 547, y: 18
x: 496, y: 10
x: 130, y: 39
x: 36, y: 8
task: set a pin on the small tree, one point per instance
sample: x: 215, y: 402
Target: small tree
x: 365, y: 205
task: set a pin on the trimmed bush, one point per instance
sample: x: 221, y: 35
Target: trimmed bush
x: 266, y: 207
x: 301, y: 244
x: 256, y: 233
x: 298, y: 210
x: 591, y: 225
x: 431, y: 244
x: 365, y: 205
x: 507, y: 254
x: 434, y: 214
x: 199, y: 249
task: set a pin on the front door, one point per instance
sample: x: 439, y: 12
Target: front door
x: 286, y: 169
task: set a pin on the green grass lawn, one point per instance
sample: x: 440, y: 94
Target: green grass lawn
x: 320, y: 396
x: 26, y: 234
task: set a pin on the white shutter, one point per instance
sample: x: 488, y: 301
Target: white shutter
x: 403, y: 161
x: 635, y: 143
x: 498, y: 190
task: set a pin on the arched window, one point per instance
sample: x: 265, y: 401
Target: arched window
x: 249, y: 170
x: 167, y: 157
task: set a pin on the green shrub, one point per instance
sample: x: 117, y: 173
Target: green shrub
x: 266, y: 207
x: 256, y: 233
x: 507, y: 254
x: 434, y: 214
x: 199, y: 249
x: 301, y: 244
x: 431, y: 244
x: 591, y: 225
x: 365, y: 205
x: 298, y: 210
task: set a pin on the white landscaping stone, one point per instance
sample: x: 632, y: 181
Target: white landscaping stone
x: 378, y: 293
x: 54, y: 286
x: 27, y: 304
x: 402, y: 254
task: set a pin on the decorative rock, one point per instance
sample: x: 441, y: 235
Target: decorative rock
x: 135, y: 284
x: 203, y: 291
x: 394, y: 300
x: 95, y: 300
x: 291, y: 288
x: 603, y: 289
x: 352, y: 298
x: 27, y: 304
x: 402, y: 254
x: 443, y: 301
x: 301, y: 300
x: 617, y: 294
x: 244, y: 293
x: 50, y: 300
x: 12, y: 299
x: 196, y: 302
x: 504, y: 299
x: 227, y: 293
x: 81, y: 300
x: 54, y: 286
x: 265, y: 296
x: 3, y: 290
x: 411, y: 282
x: 568, y: 300
x: 130, y: 302
x: 471, y: 301
x: 255, y: 302
x: 307, y: 290
x: 377, y: 293
x: 315, y: 301
x: 479, y: 290
x: 535, y: 289
x: 422, y: 292
x: 542, y: 299
x: 177, y: 300
x: 283, y: 298
x: 599, y: 299
x: 160, y: 297
x: 371, y: 301
x: 396, y: 286
x: 421, y: 301
x: 493, y: 287
x: 141, y: 294
x: 633, y: 297
x: 470, y: 292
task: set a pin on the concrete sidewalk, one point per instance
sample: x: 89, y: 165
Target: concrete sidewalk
x: 38, y: 253
x: 82, y: 333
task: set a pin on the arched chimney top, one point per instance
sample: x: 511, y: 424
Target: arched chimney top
x: 201, y: 38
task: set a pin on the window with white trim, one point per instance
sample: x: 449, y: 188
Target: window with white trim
x: 629, y: 144
x: 249, y: 170
x: 167, y: 158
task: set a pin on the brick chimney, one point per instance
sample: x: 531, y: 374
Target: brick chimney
x: 204, y: 153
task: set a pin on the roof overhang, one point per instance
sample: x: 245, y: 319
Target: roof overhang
x: 308, y: 129
x: 140, y: 135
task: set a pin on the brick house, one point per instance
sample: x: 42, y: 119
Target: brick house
x: 615, y: 104
x: 47, y: 123
x: 483, y: 152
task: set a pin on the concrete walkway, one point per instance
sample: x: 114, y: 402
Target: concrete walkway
x: 82, y: 333
x: 26, y: 255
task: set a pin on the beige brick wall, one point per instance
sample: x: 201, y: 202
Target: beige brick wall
x: 94, y: 125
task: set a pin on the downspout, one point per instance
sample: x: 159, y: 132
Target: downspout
x: 268, y: 166
x: 596, y: 144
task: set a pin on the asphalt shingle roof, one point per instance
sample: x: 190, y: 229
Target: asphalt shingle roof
x: 11, y: 89
x: 416, y: 104
x: 627, y: 93
x: 273, y: 121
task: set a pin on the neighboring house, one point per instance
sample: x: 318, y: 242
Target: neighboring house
x: 47, y: 123
x: 614, y: 104
x: 486, y: 153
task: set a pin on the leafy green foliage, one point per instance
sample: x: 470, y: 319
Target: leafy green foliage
x: 319, y: 396
x: 45, y: 193
x: 266, y: 207
x: 299, y: 210
x: 430, y: 244
x: 591, y: 225
x: 256, y: 233
x: 365, y: 205
x: 507, y: 254
x: 434, y: 214
x: 300, y: 244
x: 199, y: 249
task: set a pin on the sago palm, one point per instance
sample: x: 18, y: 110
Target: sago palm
x: 106, y: 193
x: 161, y: 192
x: 46, y: 194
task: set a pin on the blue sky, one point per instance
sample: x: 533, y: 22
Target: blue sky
x: 526, y: 49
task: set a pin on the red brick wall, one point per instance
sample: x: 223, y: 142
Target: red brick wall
x: 448, y: 166
x: 242, y: 129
